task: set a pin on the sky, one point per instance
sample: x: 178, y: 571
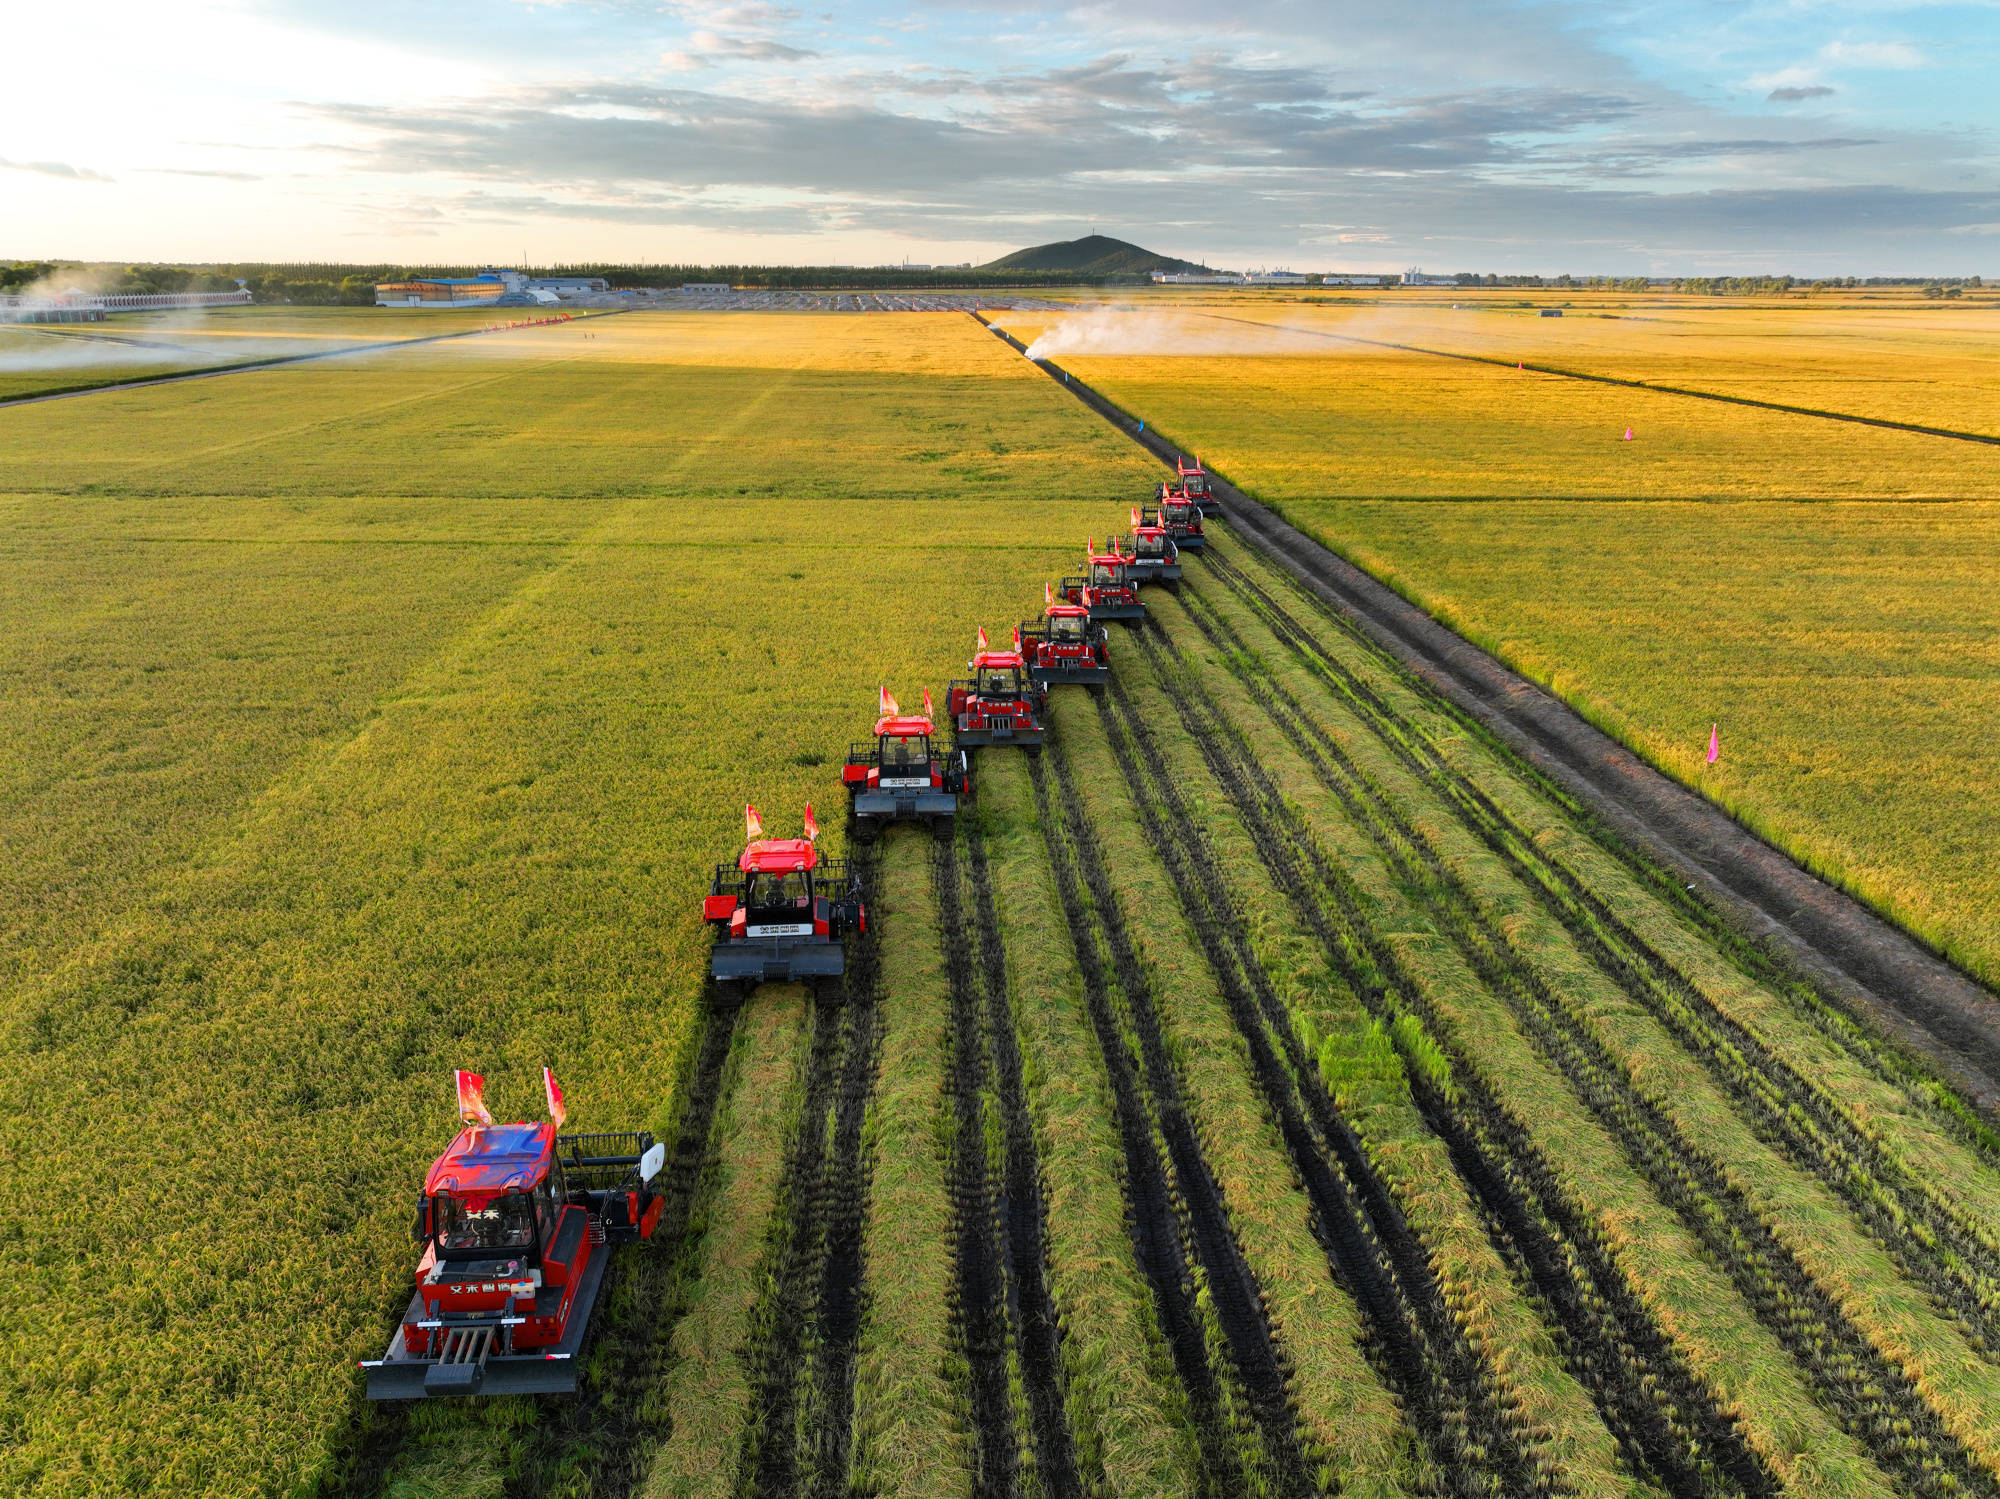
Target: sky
x: 1704, y: 137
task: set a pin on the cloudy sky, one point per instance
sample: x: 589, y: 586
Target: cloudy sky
x: 1707, y: 135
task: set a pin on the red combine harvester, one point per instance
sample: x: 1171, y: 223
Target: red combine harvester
x: 1000, y: 703
x: 782, y: 914
x: 514, y: 1220
x: 1178, y: 516
x: 1107, y: 589
x: 901, y: 777
x: 1195, y: 485
x: 1064, y: 646
x: 1155, y: 558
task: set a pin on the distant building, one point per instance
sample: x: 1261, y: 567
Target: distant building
x: 570, y: 286
x: 1198, y: 278
x: 443, y: 291
x: 1415, y: 277
x: 1276, y: 278
x: 90, y: 307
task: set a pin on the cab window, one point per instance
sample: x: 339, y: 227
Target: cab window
x: 505, y: 1222
x: 905, y: 753
x: 769, y: 891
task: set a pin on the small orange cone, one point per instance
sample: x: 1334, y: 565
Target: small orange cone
x: 1628, y: 434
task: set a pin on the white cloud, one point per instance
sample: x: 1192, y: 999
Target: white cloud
x: 1899, y: 55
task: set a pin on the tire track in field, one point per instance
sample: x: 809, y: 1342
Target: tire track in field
x: 1664, y: 1419
x: 1022, y: 1218
x: 1180, y: 1237
x: 1951, y: 1254
x: 801, y: 1426
x: 1459, y: 1414
x: 981, y: 1281
x: 1867, y: 1393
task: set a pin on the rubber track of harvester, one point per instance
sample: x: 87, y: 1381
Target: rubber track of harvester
x: 1451, y: 1398
x: 981, y: 1280
x: 1664, y: 1419
x: 1232, y: 1286
x: 801, y: 1426
x: 1868, y: 1394
x: 1022, y: 1218
x: 1953, y: 1257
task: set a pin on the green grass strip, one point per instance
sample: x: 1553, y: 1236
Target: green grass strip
x: 911, y: 1427
x: 707, y: 1393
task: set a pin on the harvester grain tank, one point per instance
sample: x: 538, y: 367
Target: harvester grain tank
x: 1155, y: 557
x: 902, y: 776
x: 1194, y: 484
x: 782, y: 913
x: 1000, y: 703
x: 1178, y: 516
x: 1064, y: 645
x: 516, y: 1223
x: 1107, y: 588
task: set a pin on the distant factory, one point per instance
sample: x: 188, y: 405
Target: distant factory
x: 490, y: 288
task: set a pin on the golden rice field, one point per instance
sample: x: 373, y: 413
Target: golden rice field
x: 1270, y: 1089
x: 1682, y: 578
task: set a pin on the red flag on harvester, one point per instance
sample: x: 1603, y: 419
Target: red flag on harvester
x: 1048, y: 592
x: 927, y: 704
x: 812, y: 825
x: 556, y: 1110
x: 887, y: 705
x: 982, y: 639
x: 753, y: 825
x: 1135, y: 515
x: 1017, y: 637
x: 471, y: 1098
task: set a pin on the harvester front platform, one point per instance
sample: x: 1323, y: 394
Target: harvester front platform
x: 1155, y: 557
x: 782, y: 913
x: 1194, y: 484
x: 1064, y: 646
x: 1107, y: 589
x: 1178, y: 516
x: 516, y: 1221
x: 901, y: 776
x: 1000, y: 703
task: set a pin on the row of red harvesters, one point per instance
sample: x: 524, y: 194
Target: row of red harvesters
x: 513, y: 1217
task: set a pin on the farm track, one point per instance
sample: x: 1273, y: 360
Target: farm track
x: 1460, y: 1415
x: 1933, y: 1239
x: 801, y: 1425
x: 1665, y: 1421
x: 1180, y: 1229
x: 1021, y: 1216
x: 1867, y: 1394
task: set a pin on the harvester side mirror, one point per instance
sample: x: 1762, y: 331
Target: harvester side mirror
x: 421, y: 1229
x: 651, y: 1162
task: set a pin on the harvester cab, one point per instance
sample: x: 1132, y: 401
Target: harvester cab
x: 515, y: 1220
x: 782, y: 913
x: 1155, y: 557
x: 902, y: 776
x: 1180, y: 517
x: 1064, y: 645
x: 1107, y: 588
x: 1195, y: 485
x: 1000, y: 703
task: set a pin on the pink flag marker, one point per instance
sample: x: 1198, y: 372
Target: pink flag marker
x: 1628, y: 434
x: 1714, y: 745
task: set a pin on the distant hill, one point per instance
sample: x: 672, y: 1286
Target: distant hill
x: 1093, y: 255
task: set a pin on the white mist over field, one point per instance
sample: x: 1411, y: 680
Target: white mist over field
x: 1159, y: 331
